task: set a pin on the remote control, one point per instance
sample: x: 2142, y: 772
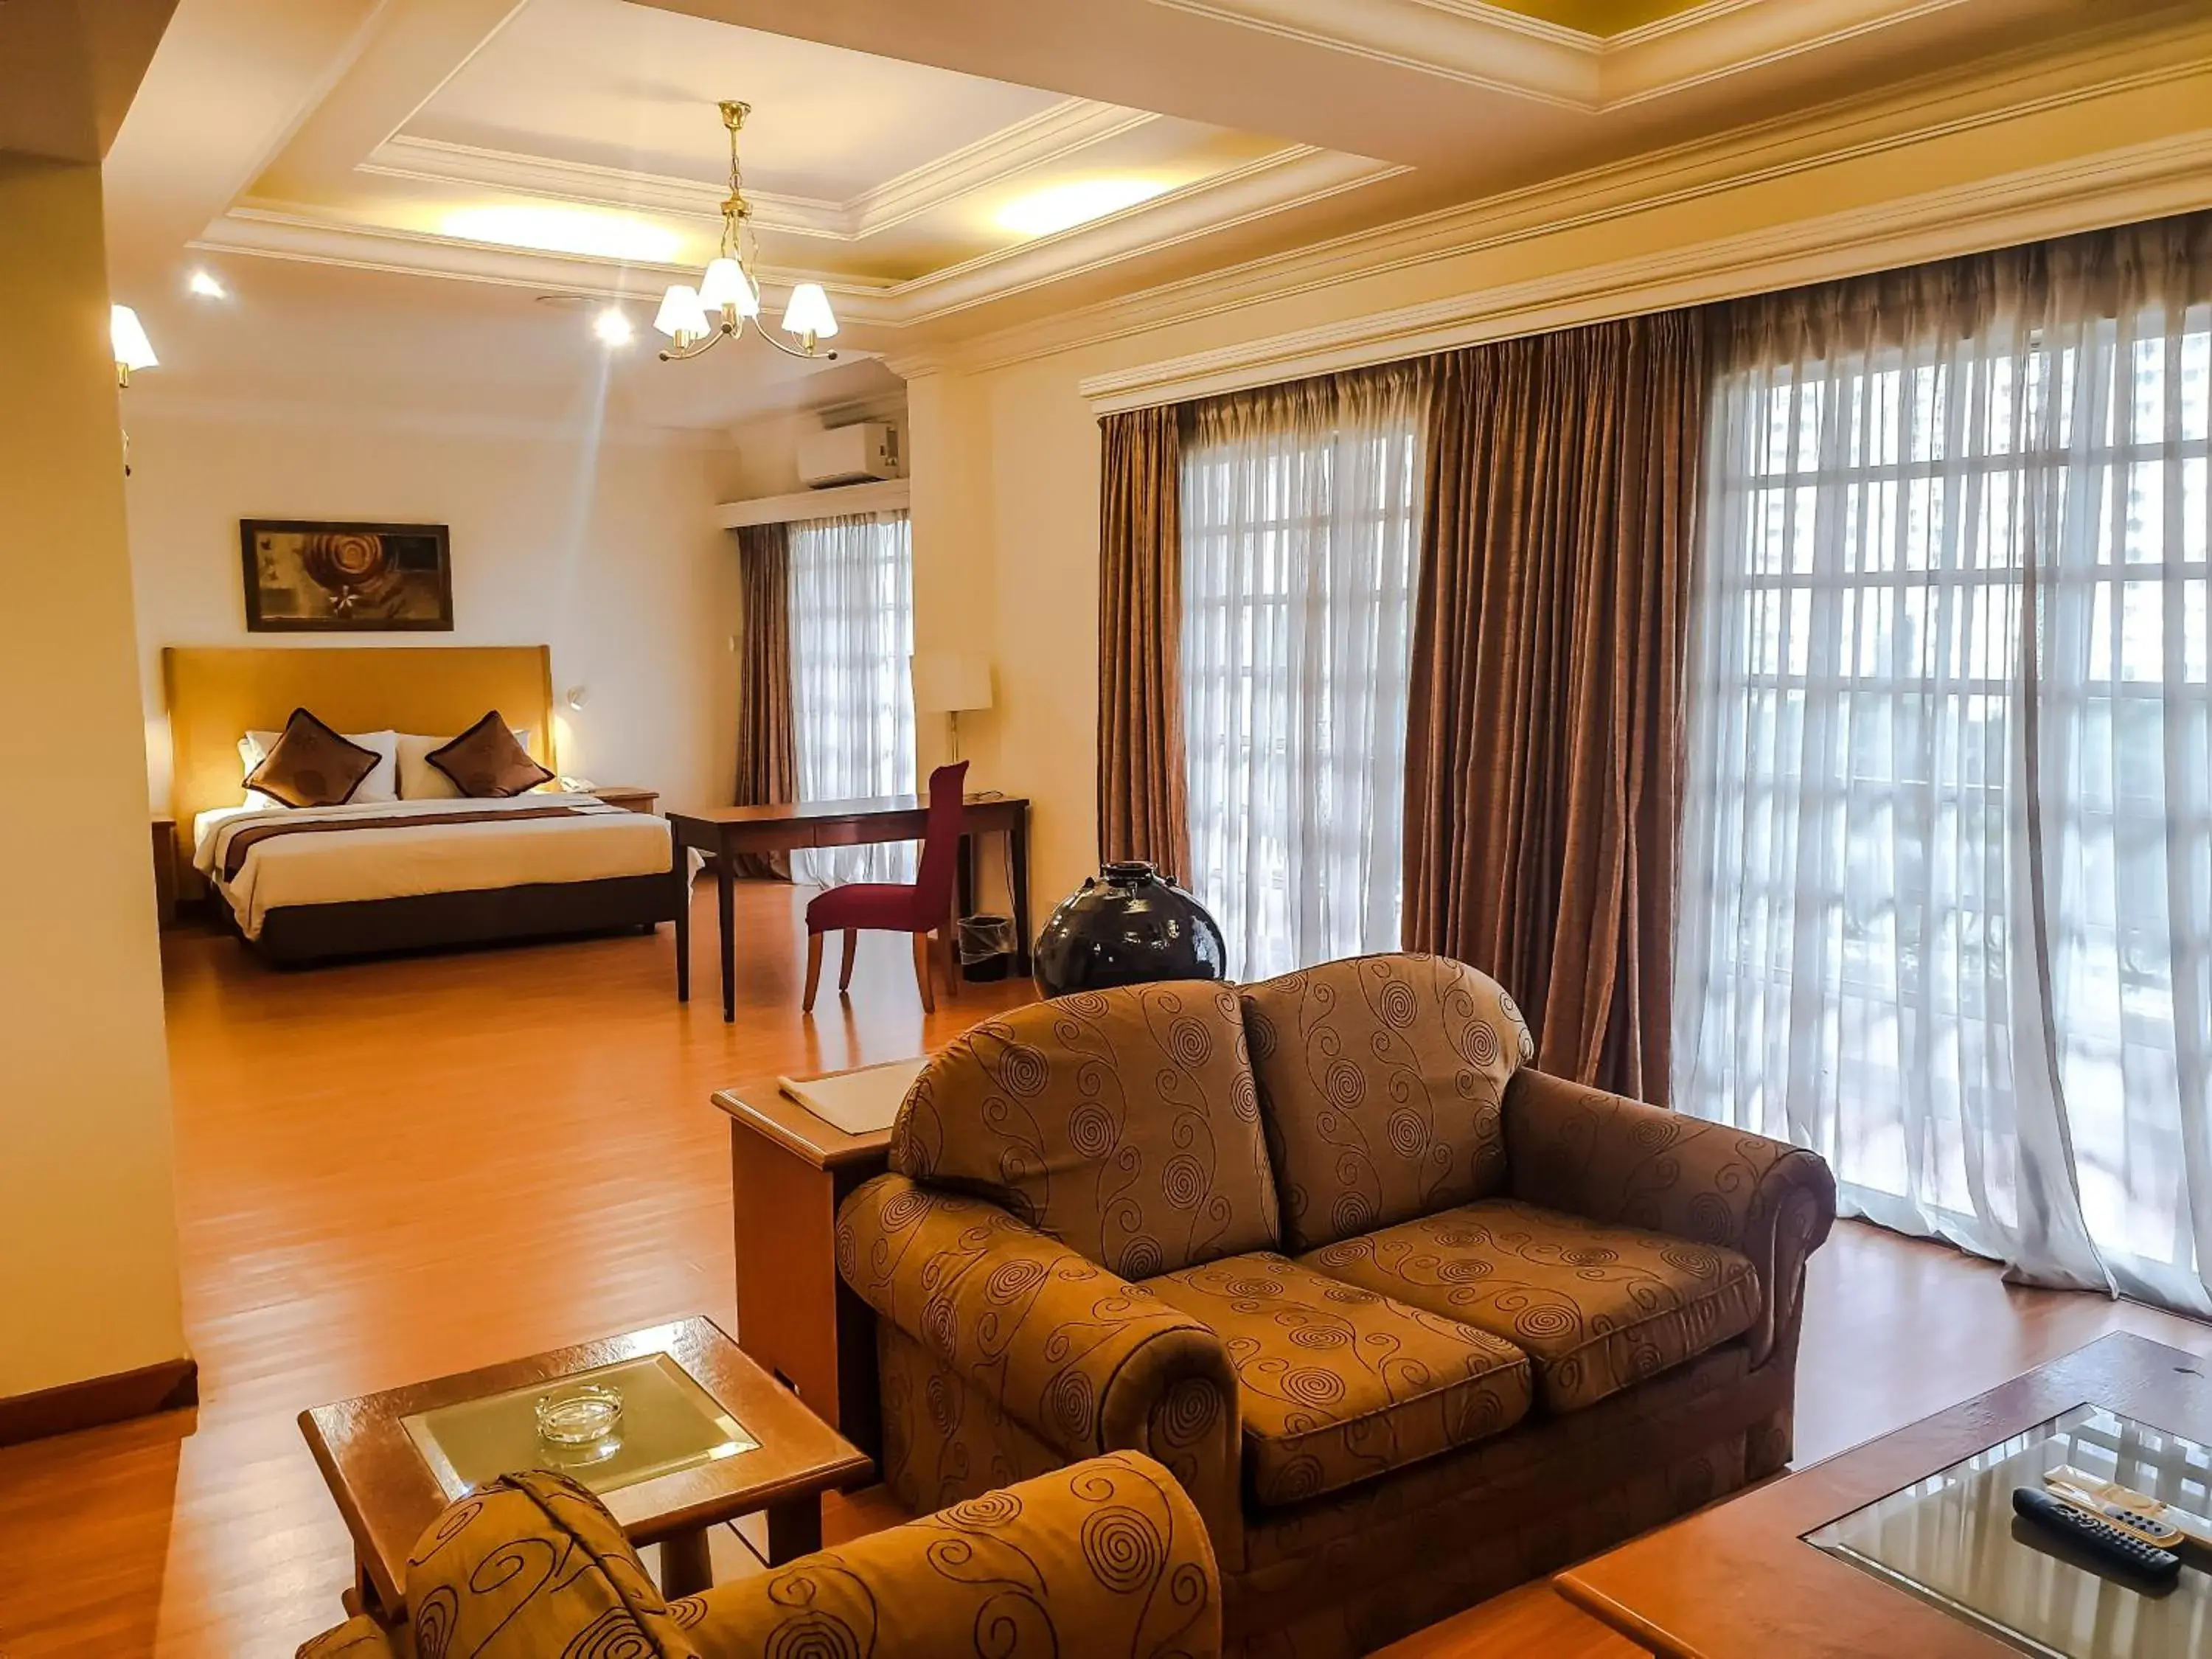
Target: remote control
x: 2095, y: 1537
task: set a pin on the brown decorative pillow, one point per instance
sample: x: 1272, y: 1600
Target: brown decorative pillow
x: 311, y: 765
x: 486, y: 762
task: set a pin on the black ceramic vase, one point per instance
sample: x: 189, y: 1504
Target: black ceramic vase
x: 1127, y: 925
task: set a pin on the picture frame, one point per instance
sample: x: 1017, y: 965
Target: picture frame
x: 342, y: 576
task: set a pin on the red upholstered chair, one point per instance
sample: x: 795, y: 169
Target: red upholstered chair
x: 897, y: 907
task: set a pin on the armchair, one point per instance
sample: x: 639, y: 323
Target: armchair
x: 1104, y: 1559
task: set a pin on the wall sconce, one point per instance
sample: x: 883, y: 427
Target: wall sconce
x: 126, y: 337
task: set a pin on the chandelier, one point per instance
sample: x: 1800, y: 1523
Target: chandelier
x: 729, y: 293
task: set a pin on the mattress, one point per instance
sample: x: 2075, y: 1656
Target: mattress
x: 262, y: 860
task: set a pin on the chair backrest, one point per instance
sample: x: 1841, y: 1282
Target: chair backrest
x: 1383, y: 1083
x: 940, y: 841
x: 1126, y: 1122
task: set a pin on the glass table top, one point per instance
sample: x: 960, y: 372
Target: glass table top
x: 668, y: 1423
x: 1954, y: 1540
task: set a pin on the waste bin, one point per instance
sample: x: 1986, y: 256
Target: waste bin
x: 987, y: 948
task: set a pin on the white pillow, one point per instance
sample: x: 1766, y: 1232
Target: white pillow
x: 419, y: 780
x: 381, y: 784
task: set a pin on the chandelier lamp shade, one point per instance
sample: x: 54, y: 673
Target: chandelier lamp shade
x: 696, y: 317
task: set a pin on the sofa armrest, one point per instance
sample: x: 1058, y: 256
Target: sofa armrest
x: 358, y: 1637
x: 1087, y: 1361
x: 1577, y: 1149
x: 1104, y: 1559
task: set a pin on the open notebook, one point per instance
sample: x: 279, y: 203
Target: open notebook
x: 860, y: 1103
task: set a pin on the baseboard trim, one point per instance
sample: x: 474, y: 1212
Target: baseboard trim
x: 171, y: 1385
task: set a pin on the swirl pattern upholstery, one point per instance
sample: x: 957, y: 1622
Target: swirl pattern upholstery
x: 1597, y: 1308
x: 1080, y: 1357
x: 1126, y: 1124
x: 1384, y: 1081
x: 1104, y: 1559
x: 1600, y: 1156
x: 1336, y: 1384
x: 1337, y: 1364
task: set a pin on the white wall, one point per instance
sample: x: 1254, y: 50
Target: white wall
x: 606, y: 551
x: 87, y: 1214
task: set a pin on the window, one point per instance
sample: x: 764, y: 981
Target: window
x: 1947, y: 902
x: 852, y: 633
x: 1301, y: 512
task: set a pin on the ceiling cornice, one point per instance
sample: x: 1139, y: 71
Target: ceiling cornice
x: 1488, y: 47
x: 1778, y: 149
x: 2138, y: 182
x: 1052, y: 135
x: 1284, y: 180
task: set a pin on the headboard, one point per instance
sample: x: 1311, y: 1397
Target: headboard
x: 218, y: 694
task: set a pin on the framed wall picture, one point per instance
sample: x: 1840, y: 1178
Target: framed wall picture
x: 304, y: 575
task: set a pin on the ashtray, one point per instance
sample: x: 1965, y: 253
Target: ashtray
x: 584, y: 1416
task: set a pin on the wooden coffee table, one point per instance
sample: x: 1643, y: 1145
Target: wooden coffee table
x: 387, y: 1491
x: 1737, y: 1581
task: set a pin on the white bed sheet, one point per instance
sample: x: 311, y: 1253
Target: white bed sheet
x: 429, y: 857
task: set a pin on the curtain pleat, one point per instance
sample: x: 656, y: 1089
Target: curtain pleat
x: 768, y: 765
x: 1544, y: 734
x: 1142, y: 812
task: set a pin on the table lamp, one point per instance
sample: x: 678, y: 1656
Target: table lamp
x: 951, y: 683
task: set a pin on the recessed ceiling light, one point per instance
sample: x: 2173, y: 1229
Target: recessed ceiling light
x: 1059, y: 207
x: 566, y: 230
x: 613, y: 327
x: 205, y: 284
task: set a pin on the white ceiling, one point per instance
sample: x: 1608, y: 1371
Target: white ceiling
x: 387, y: 186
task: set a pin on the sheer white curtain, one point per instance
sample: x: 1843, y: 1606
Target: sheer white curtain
x: 1947, y: 895
x: 1301, y: 513
x: 852, y: 698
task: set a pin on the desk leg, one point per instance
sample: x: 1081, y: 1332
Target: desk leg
x: 687, y: 1566
x: 967, y: 867
x: 725, y: 906
x: 683, y: 877
x: 794, y: 1528
x: 1018, y: 840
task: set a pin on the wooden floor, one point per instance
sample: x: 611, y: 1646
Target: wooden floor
x: 397, y: 1170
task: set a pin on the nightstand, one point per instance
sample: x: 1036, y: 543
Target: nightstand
x: 164, y: 871
x: 629, y: 797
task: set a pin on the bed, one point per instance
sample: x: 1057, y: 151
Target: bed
x: 302, y: 885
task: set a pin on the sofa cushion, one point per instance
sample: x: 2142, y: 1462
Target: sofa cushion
x: 1125, y: 1122
x: 1598, y: 1309
x: 1383, y: 1080
x: 1334, y: 1384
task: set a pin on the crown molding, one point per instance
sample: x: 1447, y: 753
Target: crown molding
x: 417, y: 422
x: 1281, y: 181
x: 302, y: 235
x: 1051, y: 135
x: 1488, y: 47
x: 2135, y: 182
x: 1778, y: 149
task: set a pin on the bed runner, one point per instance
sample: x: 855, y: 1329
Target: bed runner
x: 243, y: 841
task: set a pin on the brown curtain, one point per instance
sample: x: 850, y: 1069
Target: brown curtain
x: 1142, y: 812
x: 1544, y: 735
x: 768, y: 756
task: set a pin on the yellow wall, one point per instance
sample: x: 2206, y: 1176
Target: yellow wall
x: 87, y: 1224
x: 1006, y: 496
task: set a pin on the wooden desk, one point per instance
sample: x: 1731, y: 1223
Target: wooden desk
x: 789, y: 1170
x: 730, y: 832
x: 387, y: 1493
x: 1737, y: 1581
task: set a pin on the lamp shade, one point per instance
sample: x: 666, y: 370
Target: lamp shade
x: 132, y: 348
x: 681, y: 312
x: 727, y: 284
x: 809, y: 313
x: 950, y: 682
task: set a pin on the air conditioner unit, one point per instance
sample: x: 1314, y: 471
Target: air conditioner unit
x: 849, y: 454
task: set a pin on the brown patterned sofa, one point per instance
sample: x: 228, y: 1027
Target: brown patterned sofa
x: 1410, y: 1322
x: 1106, y: 1559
